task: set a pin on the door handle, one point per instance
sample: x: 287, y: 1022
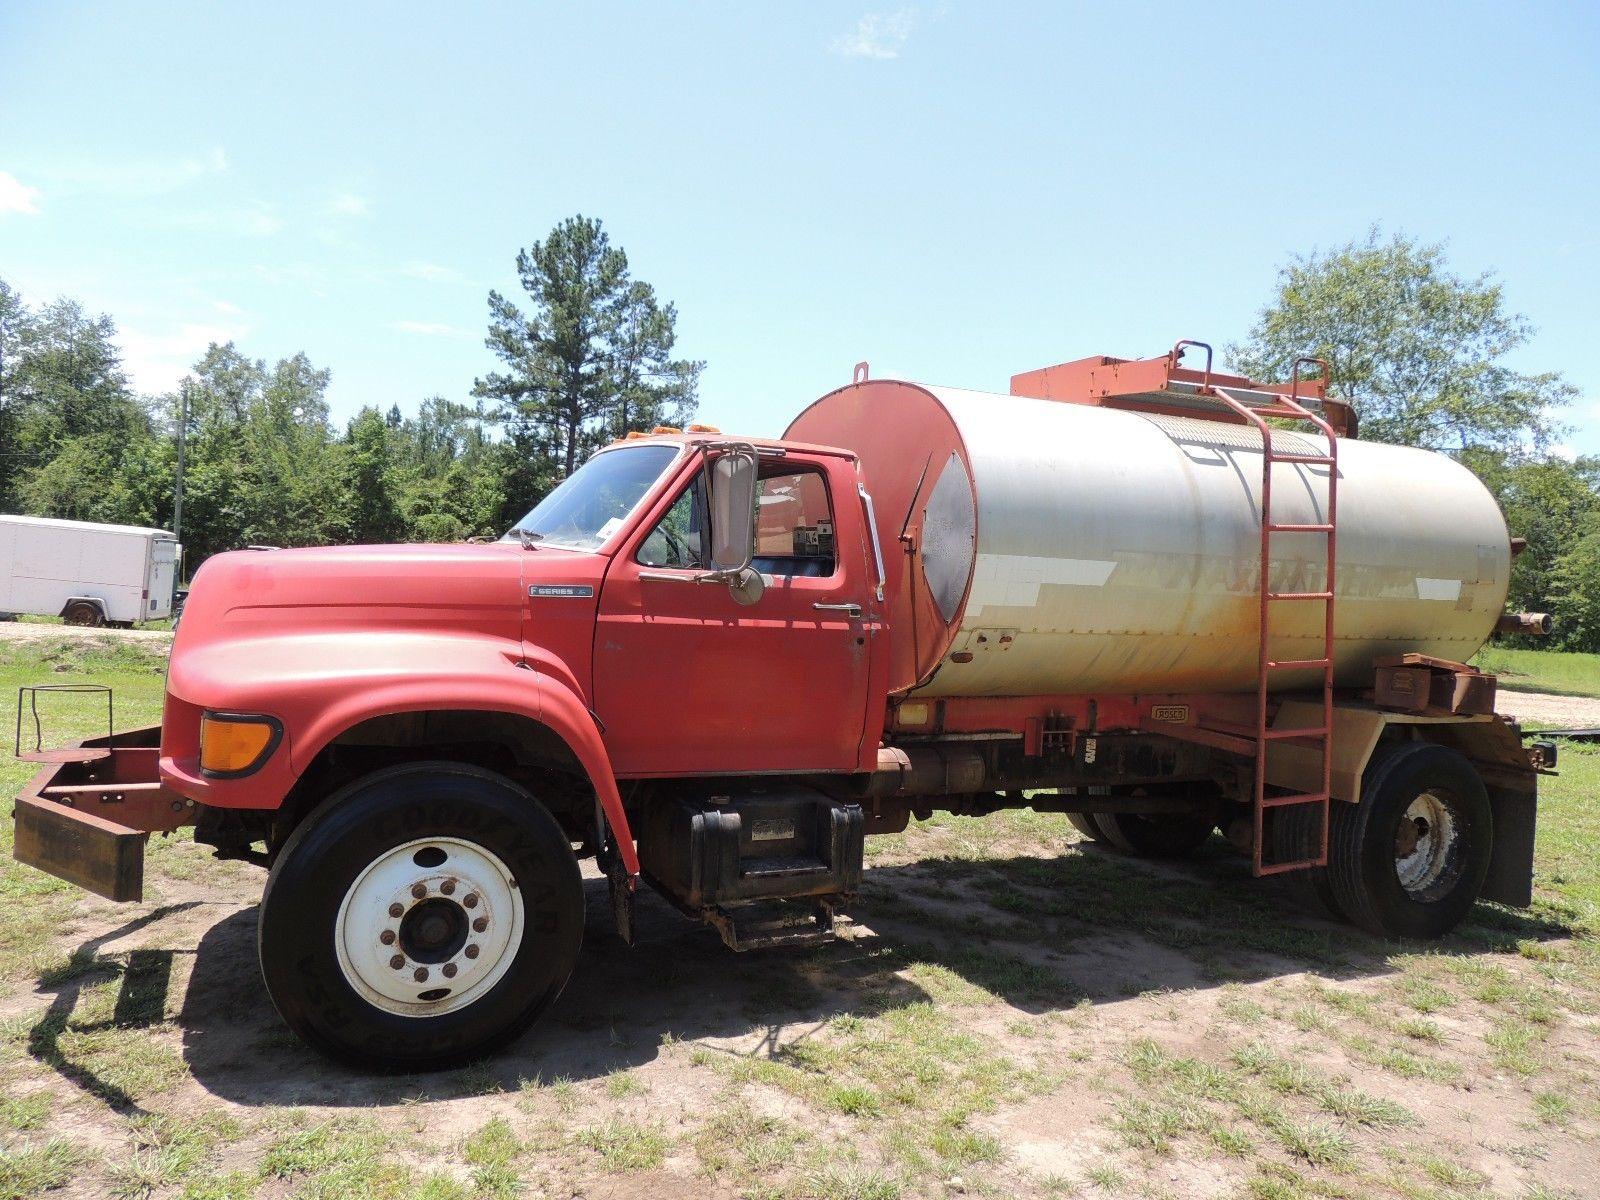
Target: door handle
x: 853, y: 610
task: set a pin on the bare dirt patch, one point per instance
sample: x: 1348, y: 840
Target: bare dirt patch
x: 1012, y: 1012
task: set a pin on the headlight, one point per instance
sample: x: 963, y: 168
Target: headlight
x: 233, y: 744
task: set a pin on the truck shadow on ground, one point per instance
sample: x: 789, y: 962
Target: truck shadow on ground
x: 1042, y: 934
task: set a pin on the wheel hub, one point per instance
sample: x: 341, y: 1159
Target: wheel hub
x: 1425, y: 845
x: 429, y: 926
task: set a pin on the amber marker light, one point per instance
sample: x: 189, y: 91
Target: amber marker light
x: 233, y: 744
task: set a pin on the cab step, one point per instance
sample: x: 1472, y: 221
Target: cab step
x: 773, y: 924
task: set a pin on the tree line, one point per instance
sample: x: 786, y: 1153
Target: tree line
x: 589, y: 359
x: 587, y: 354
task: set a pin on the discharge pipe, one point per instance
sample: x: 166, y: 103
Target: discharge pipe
x: 1532, y: 624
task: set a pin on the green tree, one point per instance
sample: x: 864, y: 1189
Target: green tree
x: 589, y: 358
x: 374, y: 502
x: 1417, y: 349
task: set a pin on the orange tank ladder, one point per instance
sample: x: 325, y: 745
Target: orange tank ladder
x: 1289, y: 407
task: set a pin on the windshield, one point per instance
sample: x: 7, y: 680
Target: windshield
x: 591, y: 503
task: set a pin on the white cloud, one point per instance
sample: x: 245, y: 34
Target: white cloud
x: 16, y: 196
x: 155, y: 361
x: 432, y: 273
x: 254, y: 218
x: 347, y: 204
x: 138, y: 178
x: 433, y: 329
x: 877, y: 35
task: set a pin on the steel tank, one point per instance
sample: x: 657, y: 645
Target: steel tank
x: 1037, y: 547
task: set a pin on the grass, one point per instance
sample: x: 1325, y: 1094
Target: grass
x: 1556, y: 672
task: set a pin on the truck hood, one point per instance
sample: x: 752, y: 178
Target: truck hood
x: 460, y: 590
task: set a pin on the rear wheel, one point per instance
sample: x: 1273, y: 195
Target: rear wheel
x: 1410, y: 859
x: 81, y: 612
x: 424, y: 916
x: 1084, y: 824
x: 1157, y: 835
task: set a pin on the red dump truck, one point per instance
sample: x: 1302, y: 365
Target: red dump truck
x: 1157, y: 599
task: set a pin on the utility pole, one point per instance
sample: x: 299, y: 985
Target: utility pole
x: 183, y: 430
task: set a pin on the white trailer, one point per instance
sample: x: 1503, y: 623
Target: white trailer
x: 85, y: 573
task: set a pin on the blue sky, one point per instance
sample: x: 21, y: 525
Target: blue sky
x: 954, y: 191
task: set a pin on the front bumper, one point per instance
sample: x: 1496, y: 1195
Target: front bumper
x: 87, y: 822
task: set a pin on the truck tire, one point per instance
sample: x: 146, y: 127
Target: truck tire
x: 422, y: 917
x: 1160, y: 834
x: 81, y: 612
x: 1084, y: 824
x: 1296, y: 832
x: 1410, y: 859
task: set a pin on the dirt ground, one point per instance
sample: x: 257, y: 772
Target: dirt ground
x: 1011, y: 1012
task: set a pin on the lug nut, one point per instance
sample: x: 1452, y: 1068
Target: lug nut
x: 471, y: 900
x: 398, y: 961
x: 448, y: 887
x: 449, y: 970
x: 419, y: 890
x: 396, y: 909
x: 472, y: 952
x: 420, y: 975
x: 479, y: 924
x: 387, y: 937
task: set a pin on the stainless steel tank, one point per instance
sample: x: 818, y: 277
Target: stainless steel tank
x: 1040, y: 547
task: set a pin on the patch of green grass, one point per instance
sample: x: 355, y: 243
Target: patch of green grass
x: 1552, y: 1108
x: 491, y: 1152
x: 335, y: 1160
x: 1515, y: 1047
x: 26, y: 1112
x: 1557, y: 672
x: 625, y: 1145
x: 622, y: 1083
x: 33, y: 1169
x: 853, y: 1183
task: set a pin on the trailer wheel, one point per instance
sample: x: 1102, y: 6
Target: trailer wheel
x: 1084, y: 824
x: 81, y: 612
x: 1410, y: 859
x: 424, y: 916
x: 1296, y: 834
x: 1162, y: 835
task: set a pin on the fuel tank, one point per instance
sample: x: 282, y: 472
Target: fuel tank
x: 1037, y: 547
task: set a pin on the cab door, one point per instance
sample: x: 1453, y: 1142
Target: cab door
x: 687, y: 680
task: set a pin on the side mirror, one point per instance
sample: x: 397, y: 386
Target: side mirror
x: 733, y: 510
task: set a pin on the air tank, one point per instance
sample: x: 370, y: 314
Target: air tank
x: 1036, y: 547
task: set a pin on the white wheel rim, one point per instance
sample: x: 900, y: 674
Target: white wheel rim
x: 1425, y: 844
x: 429, y: 927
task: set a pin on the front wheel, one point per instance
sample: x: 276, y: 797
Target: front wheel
x: 1410, y: 859
x: 424, y: 916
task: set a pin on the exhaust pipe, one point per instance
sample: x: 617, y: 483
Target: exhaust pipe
x: 1533, y: 624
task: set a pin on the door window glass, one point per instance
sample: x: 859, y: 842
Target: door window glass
x: 678, y: 538
x: 794, y: 525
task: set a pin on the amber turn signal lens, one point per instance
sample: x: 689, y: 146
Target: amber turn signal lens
x: 229, y: 745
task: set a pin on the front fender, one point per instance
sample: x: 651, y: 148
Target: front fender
x: 319, y: 685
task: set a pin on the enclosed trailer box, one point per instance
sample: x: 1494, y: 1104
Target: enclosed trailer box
x: 86, y: 573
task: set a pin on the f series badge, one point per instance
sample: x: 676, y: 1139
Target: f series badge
x: 561, y: 591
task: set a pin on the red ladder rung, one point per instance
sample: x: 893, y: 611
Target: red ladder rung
x: 1280, y: 735
x: 1298, y: 664
x: 1325, y: 460
x: 1296, y: 798
x: 1299, y: 528
x: 1298, y: 864
x: 1299, y: 595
